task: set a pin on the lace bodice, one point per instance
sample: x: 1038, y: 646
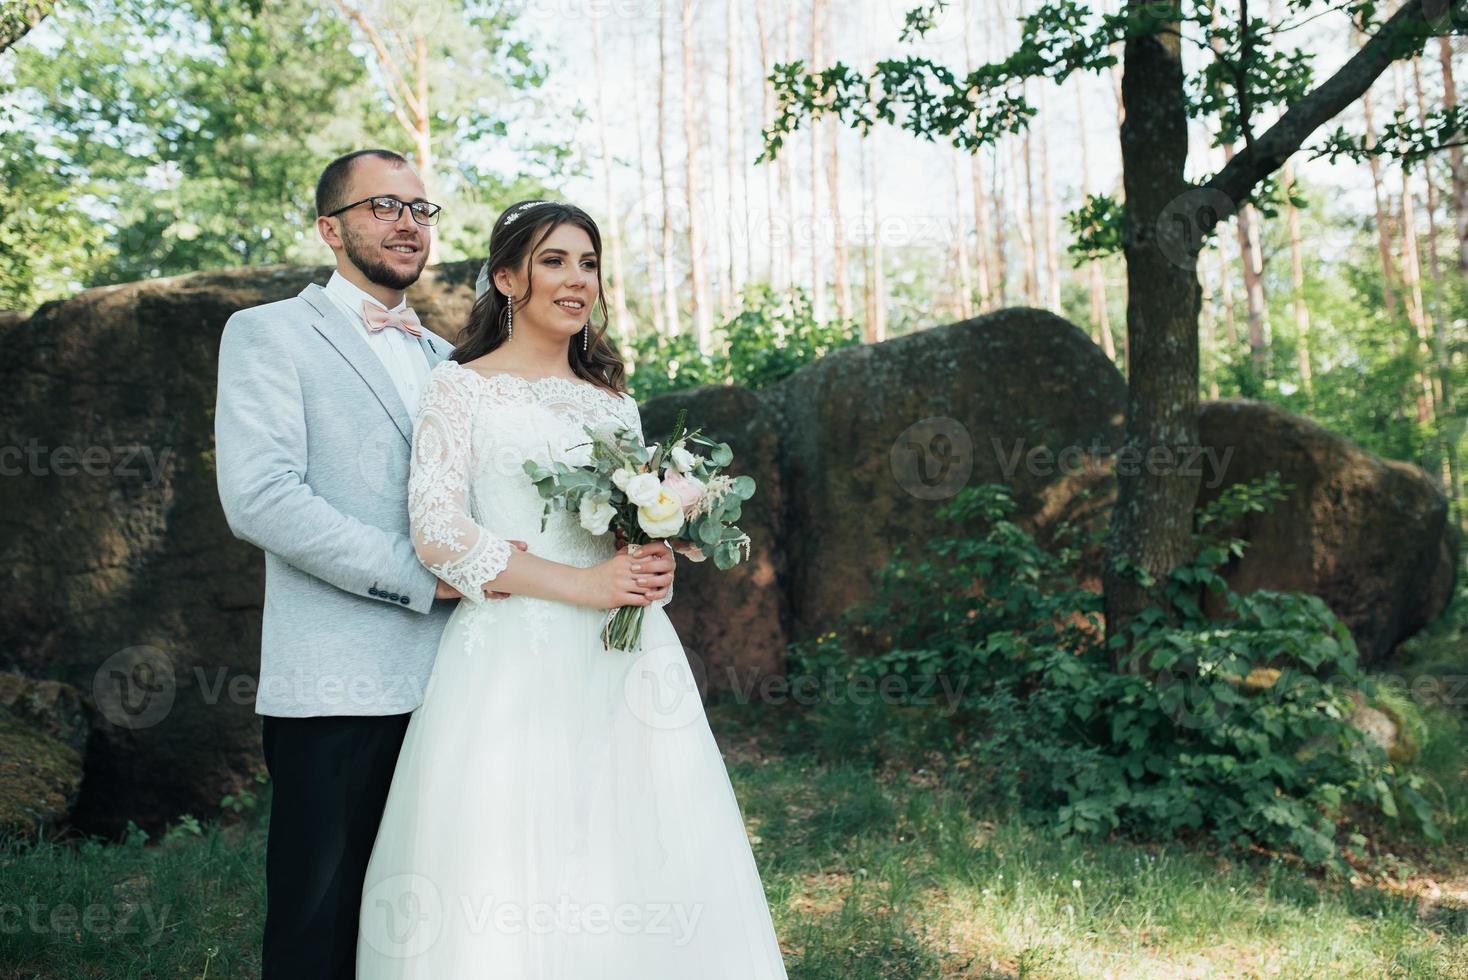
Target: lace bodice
x: 468, y: 492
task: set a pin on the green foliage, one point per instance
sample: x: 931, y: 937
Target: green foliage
x: 150, y: 139
x: 1236, y: 726
x: 1099, y: 227
x: 190, y: 131
x: 771, y: 336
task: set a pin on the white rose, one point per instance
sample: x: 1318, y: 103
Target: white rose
x: 663, y: 517
x: 683, y: 460
x: 620, y: 477
x: 643, y: 489
x: 596, y: 514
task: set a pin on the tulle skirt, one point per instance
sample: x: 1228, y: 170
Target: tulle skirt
x: 561, y: 812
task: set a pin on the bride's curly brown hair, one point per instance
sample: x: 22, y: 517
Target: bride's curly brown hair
x: 509, y: 244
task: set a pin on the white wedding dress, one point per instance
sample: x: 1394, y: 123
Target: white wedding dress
x: 558, y: 811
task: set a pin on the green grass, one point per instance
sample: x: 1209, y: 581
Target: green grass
x: 885, y: 873
x: 888, y: 870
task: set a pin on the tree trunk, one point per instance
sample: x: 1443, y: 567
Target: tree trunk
x: 1251, y: 258
x: 1412, y: 279
x: 1048, y: 221
x: 1460, y: 229
x: 1208, y: 330
x: 406, y: 91
x: 839, y: 257
x: 1226, y: 291
x: 617, y: 284
x: 767, y: 113
x: 739, y: 246
x: 1297, y: 287
x: 703, y: 321
x: 963, y: 286
x: 1002, y: 291
x: 874, y: 329
x: 1383, y: 226
x: 1152, y: 521
x: 982, y: 272
x: 1455, y: 155
x: 818, y: 130
x: 657, y: 296
x: 1024, y: 224
x: 1100, y: 320
x: 839, y: 254
x: 670, y: 293
x: 1432, y: 263
x: 787, y: 175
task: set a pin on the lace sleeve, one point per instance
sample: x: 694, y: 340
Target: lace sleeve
x: 447, y: 539
x: 633, y: 418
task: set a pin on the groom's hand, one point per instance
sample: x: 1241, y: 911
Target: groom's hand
x: 505, y: 595
x: 447, y: 591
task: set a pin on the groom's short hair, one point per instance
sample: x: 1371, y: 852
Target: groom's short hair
x: 331, y: 189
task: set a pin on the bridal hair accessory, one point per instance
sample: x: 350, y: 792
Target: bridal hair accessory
x: 520, y: 209
x: 482, y: 284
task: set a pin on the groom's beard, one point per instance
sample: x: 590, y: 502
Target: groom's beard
x: 363, y: 256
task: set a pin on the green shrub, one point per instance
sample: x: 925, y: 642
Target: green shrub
x: 1236, y: 726
x: 773, y: 334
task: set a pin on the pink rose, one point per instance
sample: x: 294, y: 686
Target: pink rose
x: 687, y: 489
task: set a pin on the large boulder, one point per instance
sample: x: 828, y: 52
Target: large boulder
x: 1370, y: 536
x: 126, y: 583
x: 877, y: 437
x: 125, y: 580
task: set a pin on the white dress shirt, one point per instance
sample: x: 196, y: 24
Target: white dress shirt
x: 397, y: 350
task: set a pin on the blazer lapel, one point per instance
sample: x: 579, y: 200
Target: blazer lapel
x: 345, y: 336
x: 435, y: 348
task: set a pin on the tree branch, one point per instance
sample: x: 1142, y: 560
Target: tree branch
x: 404, y: 91
x: 1403, y: 33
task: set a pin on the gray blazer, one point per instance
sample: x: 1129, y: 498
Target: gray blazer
x: 312, y: 445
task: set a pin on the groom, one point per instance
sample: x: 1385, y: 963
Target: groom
x: 352, y: 618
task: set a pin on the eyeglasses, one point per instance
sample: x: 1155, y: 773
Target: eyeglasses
x: 390, y: 209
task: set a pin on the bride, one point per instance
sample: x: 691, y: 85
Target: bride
x: 558, y: 810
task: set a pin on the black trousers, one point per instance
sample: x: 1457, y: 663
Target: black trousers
x: 330, y: 778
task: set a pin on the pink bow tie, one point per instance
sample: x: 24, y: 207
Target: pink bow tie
x: 378, y: 318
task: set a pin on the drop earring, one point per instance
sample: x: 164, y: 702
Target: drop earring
x: 584, y: 334
x: 509, y: 320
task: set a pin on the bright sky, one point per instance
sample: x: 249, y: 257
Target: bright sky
x: 916, y: 182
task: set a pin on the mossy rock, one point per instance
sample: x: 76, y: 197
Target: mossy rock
x: 40, y: 778
x: 51, y: 707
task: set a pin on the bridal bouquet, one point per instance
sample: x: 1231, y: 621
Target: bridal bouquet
x: 661, y: 492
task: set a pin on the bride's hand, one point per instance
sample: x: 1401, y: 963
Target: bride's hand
x: 613, y: 583
x: 656, y: 566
